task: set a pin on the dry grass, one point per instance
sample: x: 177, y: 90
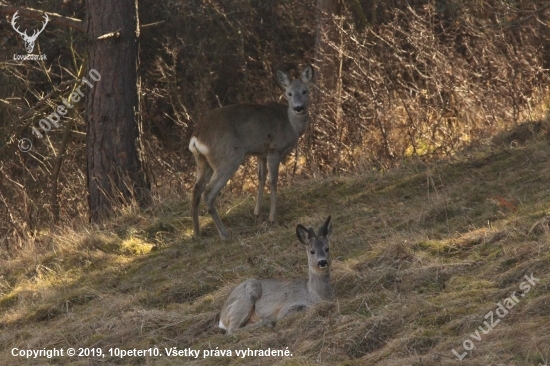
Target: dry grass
x: 422, y: 253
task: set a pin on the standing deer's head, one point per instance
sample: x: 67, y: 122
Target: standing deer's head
x: 29, y: 40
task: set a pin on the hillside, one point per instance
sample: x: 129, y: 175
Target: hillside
x: 421, y: 254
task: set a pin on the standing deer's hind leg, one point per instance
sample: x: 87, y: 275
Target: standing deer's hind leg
x: 217, y: 182
x: 204, y: 173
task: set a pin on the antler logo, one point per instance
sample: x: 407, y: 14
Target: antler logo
x: 29, y: 40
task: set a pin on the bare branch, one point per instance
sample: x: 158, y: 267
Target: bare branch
x: 55, y: 18
x: 30, y: 112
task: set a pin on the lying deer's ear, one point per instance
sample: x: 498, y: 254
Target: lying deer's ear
x: 325, y: 229
x: 304, y: 234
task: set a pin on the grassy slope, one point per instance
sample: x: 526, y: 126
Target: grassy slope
x: 422, y: 253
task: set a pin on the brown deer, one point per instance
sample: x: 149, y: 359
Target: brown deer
x: 227, y: 135
x: 262, y: 302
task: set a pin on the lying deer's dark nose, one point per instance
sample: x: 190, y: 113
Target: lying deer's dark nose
x: 322, y: 263
x: 298, y: 108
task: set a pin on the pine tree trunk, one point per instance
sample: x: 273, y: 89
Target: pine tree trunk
x: 113, y: 145
x: 326, y: 56
x: 326, y: 105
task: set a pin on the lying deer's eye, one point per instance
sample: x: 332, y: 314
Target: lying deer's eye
x: 304, y: 92
x: 289, y: 94
x: 326, y: 250
x: 312, y: 252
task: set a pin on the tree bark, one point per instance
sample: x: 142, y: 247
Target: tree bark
x: 113, y: 145
x: 326, y: 105
x: 326, y: 55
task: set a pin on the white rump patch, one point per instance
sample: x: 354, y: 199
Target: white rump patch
x: 197, y: 147
x: 221, y: 325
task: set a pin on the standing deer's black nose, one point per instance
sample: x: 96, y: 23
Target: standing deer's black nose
x: 298, y: 108
x: 323, y: 263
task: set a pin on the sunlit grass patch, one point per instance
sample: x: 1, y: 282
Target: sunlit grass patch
x: 420, y: 254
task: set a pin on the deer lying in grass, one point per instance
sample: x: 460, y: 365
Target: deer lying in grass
x: 262, y: 302
x: 223, y: 139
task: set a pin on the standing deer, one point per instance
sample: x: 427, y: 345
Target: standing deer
x: 227, y: 135
x: 263, y: 302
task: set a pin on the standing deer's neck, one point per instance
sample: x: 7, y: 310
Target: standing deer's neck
x: 299, y: 123
x: 319, y: 284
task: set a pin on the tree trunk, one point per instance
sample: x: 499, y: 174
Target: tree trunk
x: 113, y: 145
x: 327, y: 111
x: 325, y: 54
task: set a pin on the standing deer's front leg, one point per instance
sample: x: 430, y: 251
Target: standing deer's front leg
x: 262, y: 166
x: 273, y: 161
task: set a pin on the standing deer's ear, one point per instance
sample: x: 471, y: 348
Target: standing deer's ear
x: 325, y: 229
x: 303, y: 234
x: 307, y: 74
x: 283, y: 79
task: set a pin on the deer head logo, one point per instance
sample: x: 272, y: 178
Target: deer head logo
x: 29, y: 40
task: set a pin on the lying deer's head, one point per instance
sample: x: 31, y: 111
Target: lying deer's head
x: 317, y: 246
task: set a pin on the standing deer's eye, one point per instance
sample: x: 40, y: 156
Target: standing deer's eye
x: 304, y: 92
x: 312, y: 252
x: 326, y: 250
x: 289, y: 94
